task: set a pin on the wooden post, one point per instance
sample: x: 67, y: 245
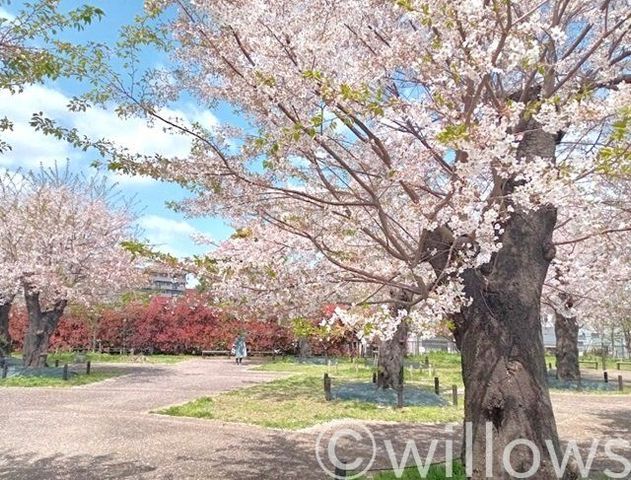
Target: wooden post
x: 57, y: 363
x: 374, y: 377
x: 327, y: 387
x: 620, y: 383
x: 340, y: 471
x: 87, y: 367
x: 5, y: 370
x: 426, y: 361
x: 400, y: 396
x: 65, y: 372
x: 606, y: 377
x: 549, y: 366
x: 454, y: 395
x: 436, y: 386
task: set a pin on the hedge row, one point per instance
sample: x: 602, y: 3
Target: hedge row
x: 174, y: 326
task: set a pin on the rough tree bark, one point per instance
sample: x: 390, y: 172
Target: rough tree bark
x: 499, y: 336
x: 304, y: 347
x: 392, y: 352
x: 41, y: 326
x: 566, y: 331
x: 5, y: 335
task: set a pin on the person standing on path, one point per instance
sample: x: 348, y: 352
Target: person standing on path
x: 240, y: 349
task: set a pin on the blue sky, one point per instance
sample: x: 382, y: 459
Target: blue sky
x: 167, y: 230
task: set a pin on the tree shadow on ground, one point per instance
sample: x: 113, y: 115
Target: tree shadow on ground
x: 617, y: 423
x: 20, y: 466
x: 293, y: 455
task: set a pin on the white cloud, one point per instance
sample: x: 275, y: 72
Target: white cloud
x: 168, y: 235
x: 7, y: 15
x: 30, y: 148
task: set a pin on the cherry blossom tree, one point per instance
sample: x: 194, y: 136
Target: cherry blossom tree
x: 32, y: 51
x: 268, y: 271
x: 424, y: 148
x: 592, y: 260
x: 62, y: 241
x: 10, y: 194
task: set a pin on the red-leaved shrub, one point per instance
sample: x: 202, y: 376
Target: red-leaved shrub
x: 185, y: 324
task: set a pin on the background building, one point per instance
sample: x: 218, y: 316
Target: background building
x: 166, y: 283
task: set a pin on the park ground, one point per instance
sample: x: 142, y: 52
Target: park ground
x: 111, y: 429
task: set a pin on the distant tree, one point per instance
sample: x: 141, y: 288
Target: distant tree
x: 61, y: 241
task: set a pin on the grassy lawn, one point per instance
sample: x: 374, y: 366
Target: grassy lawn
x: 68, y: 357
x: 435, y: 472
x: 298, y: 401
x: 445, y: 366
x: 40, y: 381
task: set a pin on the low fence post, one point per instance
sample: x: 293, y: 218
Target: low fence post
x: 57, y: 363
x: 620, y: 383
x: 340, y: 469
x: 88, y: 366
x: 606, y: 377
x: 436, y: 385
x: 454, y: 395
x: 5, y: 370
x: 400, y: 396
x: 65, y: 372
x: 327, y: 387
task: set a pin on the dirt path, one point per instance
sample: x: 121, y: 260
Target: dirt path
x: 105, y: 431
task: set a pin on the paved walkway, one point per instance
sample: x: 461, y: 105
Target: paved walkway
x: 105, y: 431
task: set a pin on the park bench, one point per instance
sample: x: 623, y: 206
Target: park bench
x: 266, y: 353
x: 210, y: 353
x: 619, y: 364
x: 80, y: 356
x: 592, y: 362
x: 112, y: 350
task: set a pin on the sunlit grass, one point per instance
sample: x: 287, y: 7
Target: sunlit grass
x: 43, y: 381
x: 434, y: 472
x: 298, y: 402
x: 95, y: 357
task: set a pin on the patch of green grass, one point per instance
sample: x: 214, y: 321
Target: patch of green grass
x: 298, y: 402
x: 446, y: 366
x: 438, y: 472
x: 95, y: 357
x: 41, y: 381
x: 435, y: 472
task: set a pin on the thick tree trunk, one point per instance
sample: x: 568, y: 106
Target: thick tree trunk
x: 566, y: 331
x: 391, y: 357
x: 499, y: 334
x: 304, y: 347
x: 5, y: 335
x: 392, y: 352
x: 41, y: 326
